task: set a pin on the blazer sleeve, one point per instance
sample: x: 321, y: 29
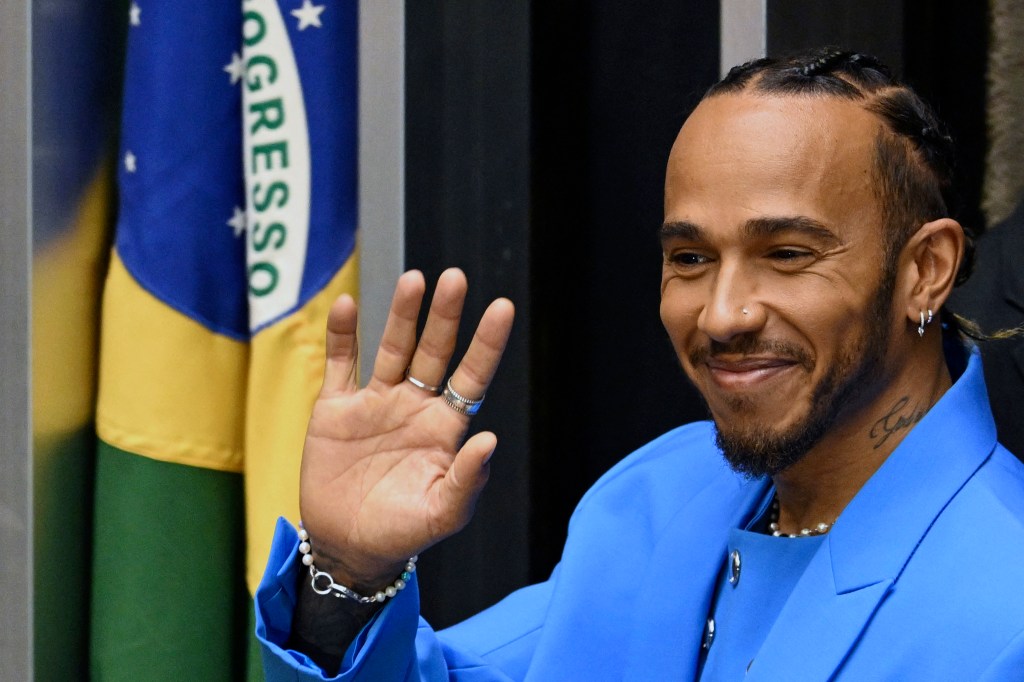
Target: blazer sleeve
x: 397, y: 645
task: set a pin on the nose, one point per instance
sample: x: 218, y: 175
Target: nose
x: 730, y: 309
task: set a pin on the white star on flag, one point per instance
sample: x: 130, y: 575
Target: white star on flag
x: 236, y: 68
x: 129, y: 161
x: 133, y: 14
x: 308, y: 14
x: 238, y: 222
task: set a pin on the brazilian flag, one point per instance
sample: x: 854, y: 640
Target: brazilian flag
x: 236, y: 229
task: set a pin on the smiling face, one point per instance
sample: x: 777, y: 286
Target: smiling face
x: 773, y: 290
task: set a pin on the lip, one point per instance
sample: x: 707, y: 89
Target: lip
x: 747, y: 372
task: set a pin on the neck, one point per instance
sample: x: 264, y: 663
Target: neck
x: 818, y: 487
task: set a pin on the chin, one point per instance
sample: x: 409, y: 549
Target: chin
x: 765, y: 445
x: 758, y: 452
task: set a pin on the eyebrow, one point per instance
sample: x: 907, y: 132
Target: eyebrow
x: 681, y: 229
x: 773, y: 225
x: 755, y: 227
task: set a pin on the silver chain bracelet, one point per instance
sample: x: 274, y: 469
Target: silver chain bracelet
x: 328, y: 586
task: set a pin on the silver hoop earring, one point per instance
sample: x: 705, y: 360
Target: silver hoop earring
x: 920, y: 327
x: 929, y: 320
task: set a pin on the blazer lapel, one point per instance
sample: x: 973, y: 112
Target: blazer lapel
x: 675, y: 594
x: 817, y: 627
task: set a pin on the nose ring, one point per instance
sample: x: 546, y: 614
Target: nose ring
x: 745, y: 311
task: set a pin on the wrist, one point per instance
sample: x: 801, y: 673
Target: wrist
x: 324, y: 627
x: 363, y: 572
x: 329, y: 577
x: 361, y: 581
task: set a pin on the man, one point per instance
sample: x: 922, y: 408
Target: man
x: 994, y: 298
x: 807, y: 256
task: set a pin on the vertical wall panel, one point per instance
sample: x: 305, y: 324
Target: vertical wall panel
x: 744, y: 32
x: 872, y: 26
x: 945, y: 52
x: 467, y: 205
x: 381, y: 165
x: 15, y: 418
x: 613, y: 83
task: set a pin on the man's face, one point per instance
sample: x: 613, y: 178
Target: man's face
x: 772, y: 288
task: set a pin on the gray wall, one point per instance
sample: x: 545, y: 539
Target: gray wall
x: 15, y: 420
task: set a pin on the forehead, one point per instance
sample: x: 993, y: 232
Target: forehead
x: 741, y: 156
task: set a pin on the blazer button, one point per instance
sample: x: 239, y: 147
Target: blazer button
x: 734, y: 567
x: 709, y: 634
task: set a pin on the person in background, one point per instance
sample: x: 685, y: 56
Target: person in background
x: 994, y: 298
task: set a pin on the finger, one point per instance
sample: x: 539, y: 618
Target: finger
x: 466, y: 478
x: 473, y: 375
x: 342, y: 346
x: 437, y: 342
x: 399, y: 338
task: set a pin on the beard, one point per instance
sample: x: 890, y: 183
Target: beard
x: 757, y: 449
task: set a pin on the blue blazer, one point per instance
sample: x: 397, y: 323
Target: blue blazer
x: 921, y: 578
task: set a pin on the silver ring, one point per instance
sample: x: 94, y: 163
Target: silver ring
x: 421, y: 384
x: 460, y: 403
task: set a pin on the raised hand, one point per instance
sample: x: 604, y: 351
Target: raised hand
x: 383, y: 474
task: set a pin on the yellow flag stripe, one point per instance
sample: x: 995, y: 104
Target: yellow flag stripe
x: 170, y: 389
x: 67, y: 273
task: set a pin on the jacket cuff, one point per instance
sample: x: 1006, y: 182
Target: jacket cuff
x: 383, y: 650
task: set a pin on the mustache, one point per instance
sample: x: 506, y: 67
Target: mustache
x: 751, y: 346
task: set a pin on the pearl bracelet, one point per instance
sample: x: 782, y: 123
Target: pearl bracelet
x: 331, y: 587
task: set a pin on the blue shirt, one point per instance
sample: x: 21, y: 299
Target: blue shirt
x: 760, y: 573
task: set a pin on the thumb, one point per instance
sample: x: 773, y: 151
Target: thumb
x: 467, y: 476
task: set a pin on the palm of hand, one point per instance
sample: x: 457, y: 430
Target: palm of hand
x: 383, y: 475
x: 381, y: 459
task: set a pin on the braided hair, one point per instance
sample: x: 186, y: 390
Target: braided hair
x: 914, y: 156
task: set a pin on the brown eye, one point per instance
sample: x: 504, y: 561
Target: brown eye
x: 789, y: 254
x: 687, y: 259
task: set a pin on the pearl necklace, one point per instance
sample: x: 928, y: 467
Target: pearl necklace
x: 773, y: 525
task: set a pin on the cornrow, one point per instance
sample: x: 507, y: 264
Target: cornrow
x: 914, y: 157
x: 824, y: 64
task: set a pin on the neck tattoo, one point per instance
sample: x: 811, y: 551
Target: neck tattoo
x: 773, y: 525
x: 897, y: 419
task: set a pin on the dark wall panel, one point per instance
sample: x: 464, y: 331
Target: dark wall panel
x: 467, y: 202
x: 872, y: 26
x: 945, y: 52
x: 613, y: 83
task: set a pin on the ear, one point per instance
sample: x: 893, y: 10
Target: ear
x: 931, y: 259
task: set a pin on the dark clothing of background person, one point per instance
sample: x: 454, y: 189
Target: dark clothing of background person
x: 994, y: 298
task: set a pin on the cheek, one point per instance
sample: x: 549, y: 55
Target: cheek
x: 828, y: 327
x: 679, y: 311
x: 667, y: 277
